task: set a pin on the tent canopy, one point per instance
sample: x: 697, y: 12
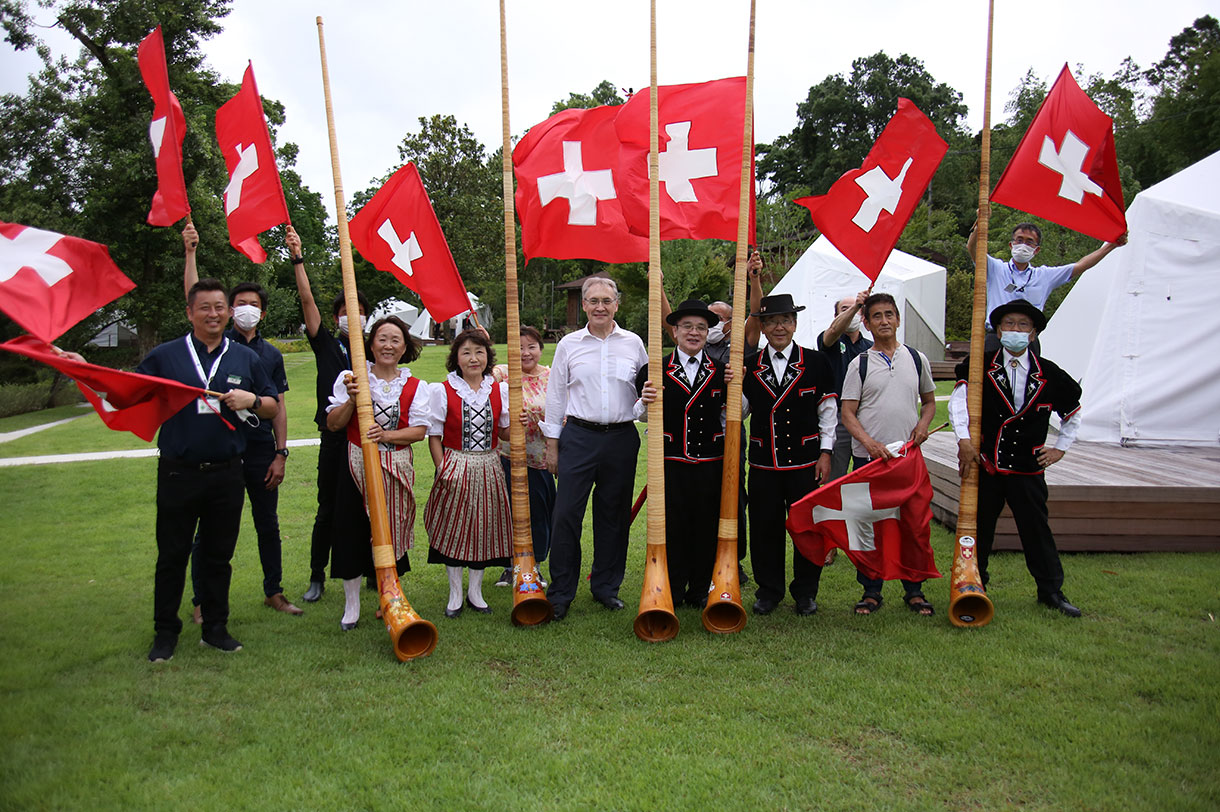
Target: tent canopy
x: 823, y: 276
x: 1139, y: 329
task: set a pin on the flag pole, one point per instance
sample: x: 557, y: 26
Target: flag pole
x: 412, y: 635
x: 530, y: 606
x: 656, y: 621
x: 724, y: 613
x: 968, y: 602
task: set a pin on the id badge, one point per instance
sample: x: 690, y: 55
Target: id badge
x: 1010, y: 287
x: 234, y: 380
x: 208, y: 406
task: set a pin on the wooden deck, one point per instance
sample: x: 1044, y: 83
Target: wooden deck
x: 1106, y: 498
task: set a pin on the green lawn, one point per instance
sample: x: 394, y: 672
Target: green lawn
x: 1116, y: 711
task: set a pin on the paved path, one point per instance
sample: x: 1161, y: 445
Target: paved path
x: 89, y: 456
x: 13, y: 435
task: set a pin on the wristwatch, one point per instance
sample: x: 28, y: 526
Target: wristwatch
x: 283, y: 452
x: 258, y: 401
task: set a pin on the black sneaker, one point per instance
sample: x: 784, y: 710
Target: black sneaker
x: 222, y: 641
x: 162, y: 650
x: 506, y: 577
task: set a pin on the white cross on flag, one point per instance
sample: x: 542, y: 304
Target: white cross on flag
x: 397, y: 231
x: 866, y: 209
x: 700, y: 141
x: 50, y: 281
x: 568, y: 191
x: 1065, y: 168
x: 254, y: 197
x: 879, y: 515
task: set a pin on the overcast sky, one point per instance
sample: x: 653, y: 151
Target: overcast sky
x: 392, y: 61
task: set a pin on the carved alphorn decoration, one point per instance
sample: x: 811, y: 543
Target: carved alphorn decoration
x: 968, y: 601
x: 724, y: 613
x: 530, y: 606
x: 656, y: 621
x: 411, y: 635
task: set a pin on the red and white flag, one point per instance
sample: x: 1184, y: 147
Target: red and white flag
x: 126, y: 401
x: 699, y: 136
x: 50, y: 281
x: 880, y: 515
x: 568, y: 188
x: 254, y: 198
x: 866, y: 209
x: 168, y: 128
x: 1065, y: 168
x: 398, y: 232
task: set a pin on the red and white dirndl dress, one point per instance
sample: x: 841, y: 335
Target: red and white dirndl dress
x: 467, y: 515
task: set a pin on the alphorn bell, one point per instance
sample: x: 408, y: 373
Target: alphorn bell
x: 530, y: 606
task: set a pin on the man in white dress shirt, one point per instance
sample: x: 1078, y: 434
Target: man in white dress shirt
x: 592, y: 444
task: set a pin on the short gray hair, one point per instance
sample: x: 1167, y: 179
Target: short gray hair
x: 599, y: 280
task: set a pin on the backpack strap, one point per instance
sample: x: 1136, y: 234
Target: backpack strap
x: 914, y: 357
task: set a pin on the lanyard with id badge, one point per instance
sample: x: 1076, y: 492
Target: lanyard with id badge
x: 210, y: 404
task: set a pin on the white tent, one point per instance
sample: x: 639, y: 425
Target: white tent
x: 1139, y: 330
x: 424, y: 324
x: 395, y: 307
x: 823, y: 276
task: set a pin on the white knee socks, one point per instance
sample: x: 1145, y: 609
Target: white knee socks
x: 455, y: 587
x: 351, y: 600
x: 475, y: 591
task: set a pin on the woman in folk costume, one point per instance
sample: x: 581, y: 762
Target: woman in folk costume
x: 400, y: 418
x: 467, y: 515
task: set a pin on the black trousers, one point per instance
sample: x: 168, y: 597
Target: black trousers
x: 332, y: 464
x: 191, y: 501
x: 692, y: 517
x: 1026, y: 496
x: 771, y: 494
x: 589, y: 458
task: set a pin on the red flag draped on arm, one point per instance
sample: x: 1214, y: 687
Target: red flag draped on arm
x: 126, y: 401
x: 166, y: 131
x: 1065, y: 168
x: 568, y: 188
x: 254, y: 198
x: 866, y: 209
x: 50, y: 281
x: 700, y: 127
x: 879, y: 514
x: 398, y: 232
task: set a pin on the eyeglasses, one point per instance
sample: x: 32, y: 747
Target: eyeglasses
x: 772, y: 321
x: 600, y: 302
x: 693, y: 326
x: 1024, y: 241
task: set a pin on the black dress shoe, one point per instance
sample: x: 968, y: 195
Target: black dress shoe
x: 612, y: 603
x: 1055, y: 600
x: 561, y: 610
x: 483, y: 610
x: 806, y: 606
x: 453, y: 612
x: 764, y: 606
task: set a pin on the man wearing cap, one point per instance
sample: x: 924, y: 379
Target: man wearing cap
x: 1020, y: 389
x: 790, y: 391
x: 694, y: 450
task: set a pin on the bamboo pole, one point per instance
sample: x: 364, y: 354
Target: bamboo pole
x: 412, y: 635
x: 968, y: 603
x: 530, y: 606
x: 724, y: 613
x: 656, y: 621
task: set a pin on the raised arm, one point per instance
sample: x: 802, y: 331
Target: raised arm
x: 839, y: 326
x: 190, y: 273
x: 753, y: 325
x: 309, y: 308
x: 1089, y: 260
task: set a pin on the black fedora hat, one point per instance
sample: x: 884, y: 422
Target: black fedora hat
x: 693, y: 307
x: 777, y: 305
x: 1017, y: 306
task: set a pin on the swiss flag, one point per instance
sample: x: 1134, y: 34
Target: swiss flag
x: 398, y: 232
x: 699, y: 138
x: 1065, y: 168
x: 168, y: 128
x: 126, y: 401
x: 866, y: 209
x: 879, y: 514
x: 49, y: 281
x: 568, y: 189
x: 254, y: 198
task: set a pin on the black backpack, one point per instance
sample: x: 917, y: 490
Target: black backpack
x: 914, y: 357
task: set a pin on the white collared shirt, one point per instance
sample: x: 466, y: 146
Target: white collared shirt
x: 780, y: 365
x: 959, y: 414
x: 593, y: 378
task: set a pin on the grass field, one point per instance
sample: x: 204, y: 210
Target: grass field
x: 1119, y: 710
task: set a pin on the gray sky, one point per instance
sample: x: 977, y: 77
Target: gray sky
x: 391, y: 62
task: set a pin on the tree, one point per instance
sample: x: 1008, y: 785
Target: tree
x: 605, y: 93
x: 1186, y: 105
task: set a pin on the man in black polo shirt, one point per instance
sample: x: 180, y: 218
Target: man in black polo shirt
x: 333, y: 356
x: 199, y: 474
x: 266, y: 441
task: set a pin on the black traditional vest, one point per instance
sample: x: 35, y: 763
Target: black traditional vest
x: 784, y: 429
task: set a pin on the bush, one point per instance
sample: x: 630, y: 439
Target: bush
x: 19, y: 398
x: 287, y: 345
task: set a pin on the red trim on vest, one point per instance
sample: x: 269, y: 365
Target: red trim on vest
x: 404, y: 407
x: 452, y: 434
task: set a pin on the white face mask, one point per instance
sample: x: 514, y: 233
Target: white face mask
x: 343, y: 324
x: 855, y: 324
x: 1014, y: 341
x: 1023, y: 253
x: 715, y: 334
x: 246, y: 316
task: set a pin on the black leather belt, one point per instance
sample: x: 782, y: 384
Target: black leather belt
x: 190, y: 465
x: 591, y: 426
